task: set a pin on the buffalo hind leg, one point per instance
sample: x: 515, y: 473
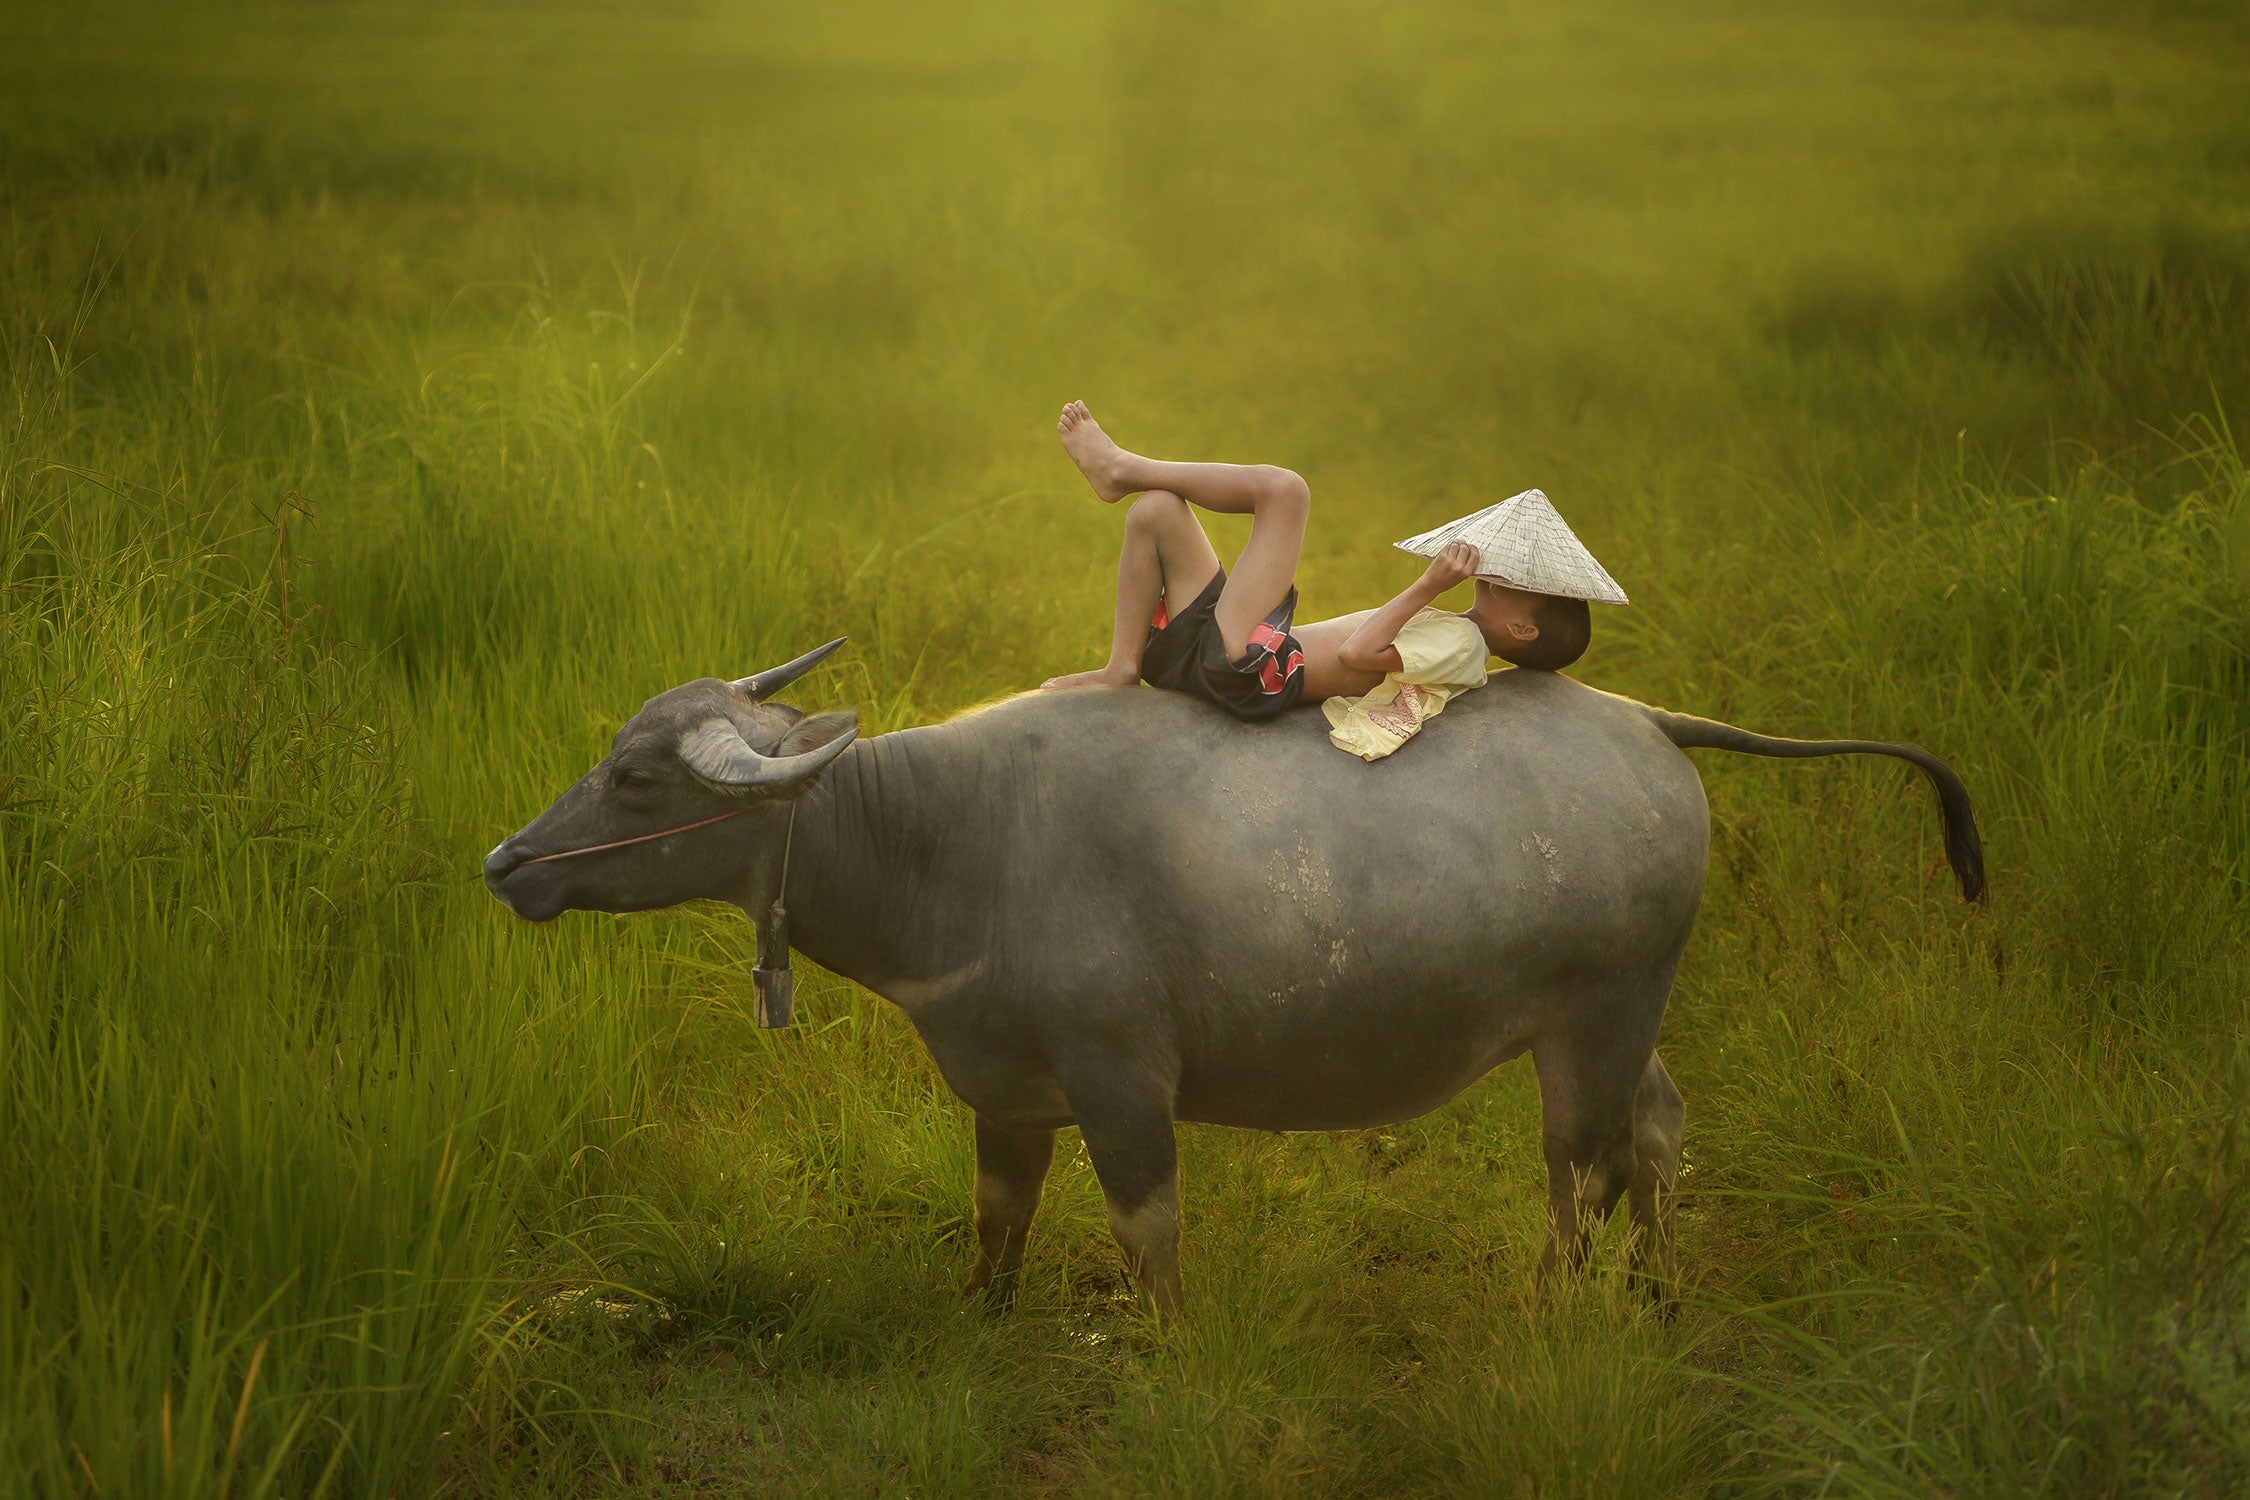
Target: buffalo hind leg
x: 1658, y: 1117
x: 1589, y: 1089
x: 1011, y: 1170
x: 1138, y: 1162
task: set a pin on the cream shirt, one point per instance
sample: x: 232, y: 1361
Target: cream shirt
x: 1441, y: 655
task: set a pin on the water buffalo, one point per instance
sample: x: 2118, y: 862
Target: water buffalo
x: 1119, y: 908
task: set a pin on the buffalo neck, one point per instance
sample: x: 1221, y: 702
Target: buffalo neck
x: 890, y: 858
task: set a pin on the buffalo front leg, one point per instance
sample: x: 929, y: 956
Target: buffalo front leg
x: 1138, y: 1163
x: 1011, y: 1170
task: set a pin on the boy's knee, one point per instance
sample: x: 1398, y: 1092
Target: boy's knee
x: 1283, y: 489
x: 1156, y: 509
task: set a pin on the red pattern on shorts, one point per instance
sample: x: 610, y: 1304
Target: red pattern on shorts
x: 1274, y: 672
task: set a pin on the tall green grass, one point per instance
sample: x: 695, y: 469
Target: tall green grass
x: 395, y: 396
x: 269, y: 1170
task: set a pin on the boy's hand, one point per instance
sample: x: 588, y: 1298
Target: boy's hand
x: 1456, y: 564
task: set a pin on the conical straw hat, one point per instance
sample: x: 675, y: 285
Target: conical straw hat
x: 1523, y: 543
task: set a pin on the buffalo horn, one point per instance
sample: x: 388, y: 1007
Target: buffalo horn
x: 772, y: 680
x: 716, y: 751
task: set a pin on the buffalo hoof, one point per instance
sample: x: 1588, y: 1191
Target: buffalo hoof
x: 995, y: 1291
x: 1662, y: 1293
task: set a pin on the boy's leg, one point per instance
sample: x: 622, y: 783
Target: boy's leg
x: 1166, y: 556
x: 1275, y: 499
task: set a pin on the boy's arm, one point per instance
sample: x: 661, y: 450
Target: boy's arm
x: 1370, y: 648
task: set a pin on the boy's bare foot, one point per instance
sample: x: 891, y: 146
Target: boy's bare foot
x: 1099, y: 459
x: 1101, y: 677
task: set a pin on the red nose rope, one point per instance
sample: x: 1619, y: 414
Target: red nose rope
x: 642, y: 839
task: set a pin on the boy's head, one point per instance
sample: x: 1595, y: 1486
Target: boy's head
x: 1543, y: 631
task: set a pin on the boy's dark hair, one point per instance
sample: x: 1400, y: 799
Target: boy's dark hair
x: 1565, y: 626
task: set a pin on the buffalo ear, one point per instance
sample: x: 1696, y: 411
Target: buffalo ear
x: 812, y: 733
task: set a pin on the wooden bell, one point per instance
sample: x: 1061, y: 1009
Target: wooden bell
x: 776, y: 985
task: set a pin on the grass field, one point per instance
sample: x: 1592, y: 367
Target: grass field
x: 397, y: 395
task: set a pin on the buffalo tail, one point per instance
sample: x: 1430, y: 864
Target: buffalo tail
x: 1964, y: 851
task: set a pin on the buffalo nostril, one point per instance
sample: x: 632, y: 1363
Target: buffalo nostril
x: 500, y: 861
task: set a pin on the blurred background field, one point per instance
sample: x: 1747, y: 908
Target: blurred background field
x: 397, y: 395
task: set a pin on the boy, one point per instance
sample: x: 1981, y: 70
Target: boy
x: 1183, y: 622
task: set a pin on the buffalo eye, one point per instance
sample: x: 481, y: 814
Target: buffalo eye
x: 630, y: 779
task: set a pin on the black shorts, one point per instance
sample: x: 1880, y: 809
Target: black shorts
x: 1186, y: 653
